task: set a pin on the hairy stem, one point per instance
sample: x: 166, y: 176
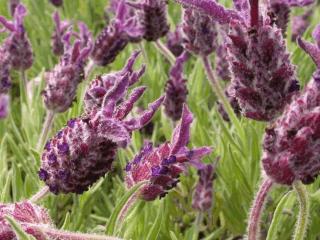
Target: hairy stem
x: 257, y: 208
x: 165, y: 52
x: 45, y: 129
x: 218, y: 90
x: 24, y: 86
x: 40, y: 195
x: 303, y: 218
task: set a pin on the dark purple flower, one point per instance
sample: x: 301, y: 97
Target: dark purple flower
x: 162, y: 166
x: 175, y: 41
x: 62, y: 81
x: 12, y: 4
x: 153, y: 18
x: 291, y: 145
x: 87, y: 148
x: 102, y: 84
x: 4, y: 105
x: 17, y: 43
x: 57, y: 3
x: 300, y: 24
x: 115, y: 37
x: 176, y: 89
x: 5, y: 64
x: 203, y: 194
x: 263, y: 78
x: 279, y: 13
x: 199, y: 32
x: 57, y: 36
x: 27, y: 215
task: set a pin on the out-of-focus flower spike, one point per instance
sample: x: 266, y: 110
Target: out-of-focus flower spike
x: 12, y: 4
x: 311, y: 49
x: 218, y: 12
x: 61, y: 28
x: 19, y: 16
x: 181, y: 134
x: 175, y: 41
x: 4, y: 105
x: 5, y: 64
x: 125, y: 107
x: 57, y: 3
x: 300, y: 24
x: 316, y: 35
x: 145, y: 117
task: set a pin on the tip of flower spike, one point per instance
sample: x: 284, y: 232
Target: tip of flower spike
x: 132, y: 61
x: 181, y: 133
x: 311, y: 49
x: 316, y: 35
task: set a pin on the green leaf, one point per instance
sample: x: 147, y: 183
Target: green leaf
x: 155, y: 229
x: 110, y: 228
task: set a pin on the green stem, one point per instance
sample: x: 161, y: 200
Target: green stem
x: 40, y: 195
x: 24, y: 87
x: 303, y: 218
x: 218, y: 90
x: 197, y: 226
x: 165, y: 52
x: 45, y: 129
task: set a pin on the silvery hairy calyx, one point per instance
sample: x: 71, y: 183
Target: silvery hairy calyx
x: 161, y: 166
x: 263, y: 78
x: 84, y: 150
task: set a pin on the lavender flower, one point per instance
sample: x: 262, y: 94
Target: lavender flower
x: 62, y: 81
x: 263, y: 77
x: 101, y: 85
x: 175, y: 40
x: 57, y: 3
x: 85, y: 149
x: 12, y: 4
x: 300, y: 24
x: 18, y: 44
x: 162, y: 166
x: 202, y: 196
x: 176, y: 89
x: 115, y: 37
x: 199, y: 32
x: 222, y: 65
x: 4, y: 105
x: 153, y: 18
x: 27, y: 215
x: 5, y: 64
x: 57, y: 36
x: 291, y: 149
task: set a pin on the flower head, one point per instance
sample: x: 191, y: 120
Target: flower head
x: 85, y: 149
x: 175, y: 40
x: 199, y: 32
x: 62, y: 81
x: 263, y: 78
x: 101, y: 85
x: 27, y: 215
x: 61, y: 28
x: 291, y: 149
x: 4, y: 105
x: 202, y: 196
x: 153, y: 18
x: 17, y: 43
x: 115, y: 37
x: 176, y: 89
x: 161, y: 166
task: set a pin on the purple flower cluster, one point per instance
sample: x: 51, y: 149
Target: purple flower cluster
x: 57, y: 36
x: 114, y: 38
x: 176, y: 89
x: 62, y: 81
x: 27, y: 215
x: 85, y: 149
x: 161, y: 166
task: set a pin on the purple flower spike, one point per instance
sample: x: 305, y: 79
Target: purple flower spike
x: 199, y: 32
x: 222, y: 66
x: 161, y: 166
x: 176, y: 89
x: 175, y: 40
x: 18, y: 44
x: 27, y: 215
x: 312, y: 49
x: 203, y: 195
x: 153, y: 17
x: 263, y: 78
x: 115, y: 37
x: 280, y: 14
x: 5, y: 64
x: 100, y: 86
x: 291, y: 145
x: 12, y: 4
x: 57, y: 3
x: 4, y: 105
x: 62, y: 81
x: 85, y: 149
x: 57, y: 36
